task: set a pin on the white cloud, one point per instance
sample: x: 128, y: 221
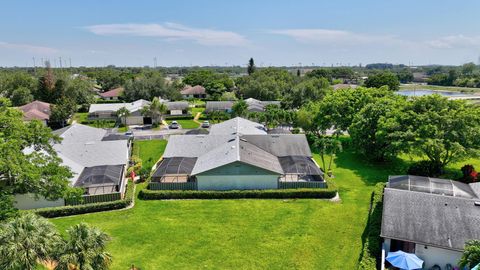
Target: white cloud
x: 455, y: 41
x: 172, y: 31
x: 28, y: 48
x: 333, y: 37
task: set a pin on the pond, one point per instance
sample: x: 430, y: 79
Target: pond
x: 423, y: 92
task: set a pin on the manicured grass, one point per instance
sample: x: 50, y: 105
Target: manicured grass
x: 438, y: 87
x: 123, y: 129
x: 79, y: 117
x: 149, y: 151
x: 246, y: 234
x: 197, y: 110
x: 186, y: 124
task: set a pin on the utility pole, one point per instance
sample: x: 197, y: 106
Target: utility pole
x: 70, y: 60
x: 34, y: 66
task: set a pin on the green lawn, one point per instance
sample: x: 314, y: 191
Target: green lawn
x: 186, y: 124
x: 438, y: 87
x: 245, y: 234
x: 149, y: 151
x: 79, y: 117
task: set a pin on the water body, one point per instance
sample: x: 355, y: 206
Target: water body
x: 424, y: 92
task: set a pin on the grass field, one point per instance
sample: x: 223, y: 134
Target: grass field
x: 245, y: 234
x: 149, y: 151
x: 186, y: 124
x: 438, y: 87
x: 79, y: 117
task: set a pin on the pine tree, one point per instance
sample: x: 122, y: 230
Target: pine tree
x: 251, y: 66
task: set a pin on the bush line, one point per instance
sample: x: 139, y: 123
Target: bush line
x: 88, y: 208
x: 371, y: 251
x: 311, y: 193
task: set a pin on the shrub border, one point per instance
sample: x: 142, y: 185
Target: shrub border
x: 70, y: 210
x: 310, y: 193
x: 371, y: 251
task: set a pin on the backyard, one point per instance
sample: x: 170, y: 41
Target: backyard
x: 246, y: 234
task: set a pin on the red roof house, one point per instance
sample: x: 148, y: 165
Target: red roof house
x: 36, y: 110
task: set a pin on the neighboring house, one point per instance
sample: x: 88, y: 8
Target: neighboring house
x: 254, y: 105
x: 98, y: 163
x: 237, y: 154
x: 196, y: 91
x: 113, y: 94
x: 177, y: 108
x: 430, y: 217
x: 36, y: 110
x: 108, y: 111
x: 344, y: 86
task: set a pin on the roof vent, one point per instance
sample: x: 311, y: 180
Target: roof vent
x: 476, y: 203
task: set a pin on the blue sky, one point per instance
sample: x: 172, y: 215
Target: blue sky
x: 185, y: 33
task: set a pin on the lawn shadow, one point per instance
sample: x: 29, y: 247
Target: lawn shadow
x: 368, y: 171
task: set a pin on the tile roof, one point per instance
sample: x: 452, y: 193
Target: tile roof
x: 116, y: 92
x: 193, y: 90
x: 36, y: 110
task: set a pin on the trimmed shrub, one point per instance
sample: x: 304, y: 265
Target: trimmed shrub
x: 425, y: 168
x: 88, y: 208
x: 180, y: 117
x: 469, y: 174
x: 371, y: 251
x: 319, y: 193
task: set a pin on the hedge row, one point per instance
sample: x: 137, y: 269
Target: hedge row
x: 180, y: 117
x: 88, y: 208
x: 320, y: 193
x: 372, y: 250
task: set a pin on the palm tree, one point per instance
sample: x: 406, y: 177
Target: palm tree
x: 123, y: 113
x: 156, y: 110
x: 85, y: 249
x: 27, y: 240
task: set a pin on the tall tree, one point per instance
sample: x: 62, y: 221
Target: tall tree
x: 381, y: 79
x: 28, y: 162
x: 156, y: 110
x: 85, y: 249
x: 27, y: 240
x: 240, y: 108
x: 123, y: 113
x: 251, y: 67
x: 62, y: 111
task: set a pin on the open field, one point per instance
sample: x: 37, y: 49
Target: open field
x: 245, y: 234
x: 439, y: 88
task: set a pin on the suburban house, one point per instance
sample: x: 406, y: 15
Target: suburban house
x: 339, y: 86
x: 36, y: 110
x: 112, y: 94
x: 430, y: 217
x: 98, y: 164
x: 108, y: 111
x: 177, y: 108
x: 196, y: 91
x: 254, y: 105
x: 238, y: 154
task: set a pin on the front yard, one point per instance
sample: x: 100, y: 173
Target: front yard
x: 244, y: 234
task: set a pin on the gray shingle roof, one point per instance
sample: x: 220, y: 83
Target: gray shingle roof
x: 237, y: 150
x: 177, y: 105
x: 113, y: 107
x: 239, y: 126
x: 218, y: 106
x: 430, y: 219
x: 193, y: 145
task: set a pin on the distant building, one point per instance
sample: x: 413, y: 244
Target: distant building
x: 36, y: 110
x: 430, y: 217
x: 344, y: 86
x: 254, y: 105
x: 196, y: 91
x: 113, y: 94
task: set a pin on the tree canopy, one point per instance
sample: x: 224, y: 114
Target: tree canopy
x: 381, y: 79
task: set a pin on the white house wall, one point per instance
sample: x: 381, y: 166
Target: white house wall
x: 135, y: 120
x: 433, y: 255
x: 28, y: 201
x: 232, y: 182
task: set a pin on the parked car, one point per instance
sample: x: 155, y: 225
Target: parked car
x: 129, y: 133
x: 205, y: 124
x: 174, y: 125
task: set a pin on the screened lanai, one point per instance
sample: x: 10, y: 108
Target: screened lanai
x: 173, y: 170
